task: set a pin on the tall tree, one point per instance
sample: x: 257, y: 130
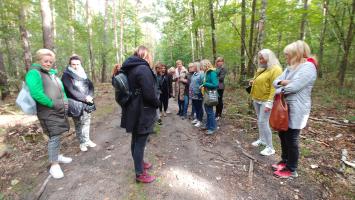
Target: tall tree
x: 122, y: 9
x: 91, y: 53
x: 242, y: 46
x: 115, y: 30
x: 4, y: 87
x: 195, y: 29
x: 251, y: 39
x: 104, y: 46
x: 347, y: 45
x: 261, y: 25
x: 322, y: 37
x: 213, y: 27
x: 304, y: 20
x: 24, y: 37
x: 47, y: 30
x: 71, y: 10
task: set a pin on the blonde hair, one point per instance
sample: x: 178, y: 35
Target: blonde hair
x: 143, y: 53
x: 296, y: 52
x: 219, y: 59
x: 206, y: 64
x: 269, y: 57
x: 179, y: 61
x: 44, y: 52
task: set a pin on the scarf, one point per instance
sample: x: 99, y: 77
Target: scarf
x: 79, y: 71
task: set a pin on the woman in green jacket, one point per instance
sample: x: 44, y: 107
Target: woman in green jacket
x: 48, y: 92
x: 262, y: 93
x: 210, y: 83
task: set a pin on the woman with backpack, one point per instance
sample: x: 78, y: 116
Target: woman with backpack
x: 139, y: 113
x: 80, y: 91
x: 296, y: 82
x: 52, y: 105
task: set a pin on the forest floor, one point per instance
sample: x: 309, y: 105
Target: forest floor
x: 188, y: 163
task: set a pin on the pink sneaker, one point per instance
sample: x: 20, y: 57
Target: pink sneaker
x: 279, y: 166
x: 147, y: 165
x: 285, y: 173
x: 145, y: 178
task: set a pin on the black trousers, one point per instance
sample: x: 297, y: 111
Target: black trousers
x: 219, y: 107
x: 164, y: 102
x: 137, y: 149
x: 290, y: 147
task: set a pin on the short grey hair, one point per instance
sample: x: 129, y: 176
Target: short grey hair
x: 198, y: 66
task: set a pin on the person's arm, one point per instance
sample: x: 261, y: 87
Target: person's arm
x: 69, y: 88
x: 214, y: 81
x: 146, y: 82
x: 222, y: 74
x: 306, y: 74
x: 35, y: 85
x: 275, y: 73
x: 276, y: 82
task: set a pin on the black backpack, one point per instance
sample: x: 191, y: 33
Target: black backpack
x: 122, y: 90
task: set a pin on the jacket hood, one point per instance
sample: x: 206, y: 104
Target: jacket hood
x: 132, y: 62
x: 72, y: 74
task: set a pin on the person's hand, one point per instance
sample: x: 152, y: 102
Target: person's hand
x: 251, y: 82
x: 284, y: 82
x: 201, y: 86
x: 89, y: 99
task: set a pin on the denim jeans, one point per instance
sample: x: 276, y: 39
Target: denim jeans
x: 265, y: 133
x: 82, y: 127
x: 137, y: 149
x: 193, y: 110
x: 211, y: 124
x: 181, y: 107
x: 197, y: 104
x: 53, y: 148
x: 186, y: 105
x: 290, y: 147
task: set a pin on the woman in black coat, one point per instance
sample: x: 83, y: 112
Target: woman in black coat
x: 139, y: 115
x: 80, y: 92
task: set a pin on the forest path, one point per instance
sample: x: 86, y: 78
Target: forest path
x: 188, y: 164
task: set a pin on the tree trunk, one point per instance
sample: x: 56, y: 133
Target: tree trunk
x: 122, y: 9
x: 104, y: 49
x: 24, y: 36
x: 213, y: 27
x: 261, y: 25
x: 279, y: 44
x: 115, y: 31
x: 304, y: 20
x: 322, y: 37
x: 54, y: 30
x: 47, y: 25
x: 347, y: 46
x: 202, y: 42
x: 195, y: 29
x: 89, y: 26
x: 251, y: 39
x: 242, y: 46
x: 4, y: 86
x: 71, y: 10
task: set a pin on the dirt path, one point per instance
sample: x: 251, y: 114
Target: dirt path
x: 188, y: 164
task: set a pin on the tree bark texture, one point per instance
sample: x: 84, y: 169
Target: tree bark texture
x: 104, y: 48
x: 4, y: 86
x: 213, y: 27
x: 47, y: 30
x: 261, y: 25
x: 122, y: 10
x: 91, y: 54
x: 251, y: 39
x: 71, y: 10
x: 242, y: 46
x: 322, y: 37
x: 304, y: 20
x: 27, y: 57
x: 195, y: 30
x: 115, y: 31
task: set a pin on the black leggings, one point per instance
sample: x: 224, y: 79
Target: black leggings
x: 137, y: 149
x: 290, y: 147
x: 219, y: 107
x: 164, y: 102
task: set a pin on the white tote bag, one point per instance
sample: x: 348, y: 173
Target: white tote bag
x: 25, y: 101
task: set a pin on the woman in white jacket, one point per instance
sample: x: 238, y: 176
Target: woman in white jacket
x: 296, y: 82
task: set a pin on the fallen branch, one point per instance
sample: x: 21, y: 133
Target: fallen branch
x: 216, y: 153
x: 251, y: 172
x: 330, y: 121
x: 41, y: 190
x: 344, y: 156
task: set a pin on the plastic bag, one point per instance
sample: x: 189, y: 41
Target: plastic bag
x: 25, y: 101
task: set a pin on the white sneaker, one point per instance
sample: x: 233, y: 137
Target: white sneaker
x: 83, y: 147
x: 194, y: 121
x: 258, y: 143
x: 168, y: 112
x: 63, y: 159
x: 56, y: 171
x: 198, y: 124
x: 217, y: 118
x: 267, y: 151
x: 90, y: 144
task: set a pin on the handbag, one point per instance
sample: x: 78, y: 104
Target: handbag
x: 25, y: 101
x: 248, y: 89
x: 210, y: 98
x: 279, y: 113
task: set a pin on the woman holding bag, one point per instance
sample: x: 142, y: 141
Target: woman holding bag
x: 296, y: 82
x: 262, y: 93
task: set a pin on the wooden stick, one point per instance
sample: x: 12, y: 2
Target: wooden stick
x: 251, y: 172
x: 41, y: 190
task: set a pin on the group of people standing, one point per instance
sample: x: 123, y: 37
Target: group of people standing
x: 73, y: 96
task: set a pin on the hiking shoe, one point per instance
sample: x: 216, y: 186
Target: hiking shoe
x: 168, y: 112
x: 145, y: 178
x: 160, y: 122
x: 198, y: 124
x: 267, y: 151
x: 285, y: 173
x: 279, y: 166
x: 210, y: 132
x: 147, y: 165
x: 164, y: 114
x: 194, y: 121
x: 56, y: 171
x: 63, y: 159
x: 90, y: 144
x: 258, y: 143
x: 83, y: 147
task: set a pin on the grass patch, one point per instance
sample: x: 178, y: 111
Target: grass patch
x: 305, y: 152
